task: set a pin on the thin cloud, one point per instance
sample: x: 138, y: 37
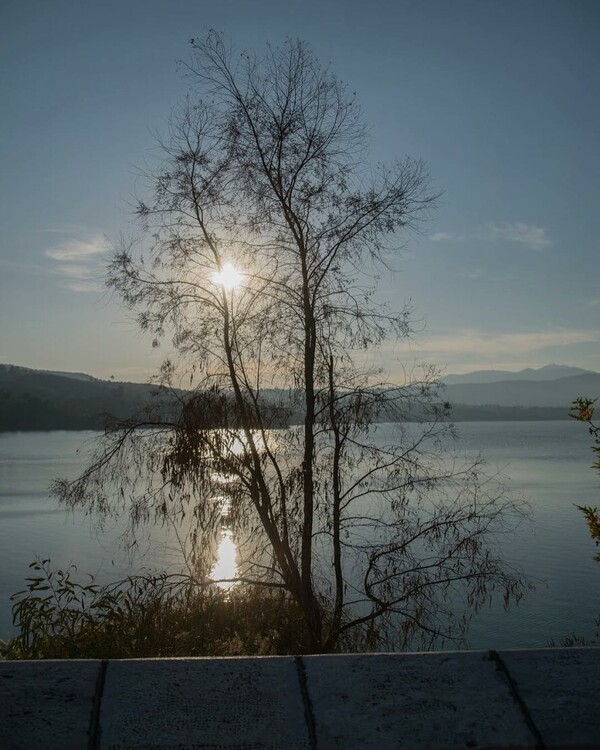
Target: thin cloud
x: 78, y: 271
x: 78, y: 260
x: 478, y: 341
x: 85, y: 286
x: 75, y: 250
x: 62, y: 229
x: 531, y: 235
x: 525, y: 234
x: 470, y: 349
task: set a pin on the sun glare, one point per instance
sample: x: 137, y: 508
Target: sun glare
x: 228, y: 277
x: 226, y: 565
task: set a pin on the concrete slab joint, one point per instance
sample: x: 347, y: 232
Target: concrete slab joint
x: 453, y: 700
x: 438, y: 701
x: 561, y: 688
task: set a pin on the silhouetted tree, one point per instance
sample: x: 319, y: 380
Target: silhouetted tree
x: 263, y: 237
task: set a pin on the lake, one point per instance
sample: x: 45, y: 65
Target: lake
x: 549, y: 462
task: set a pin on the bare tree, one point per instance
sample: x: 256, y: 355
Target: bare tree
x: 262, y: 241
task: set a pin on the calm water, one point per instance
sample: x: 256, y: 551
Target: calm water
x: 547, y: 461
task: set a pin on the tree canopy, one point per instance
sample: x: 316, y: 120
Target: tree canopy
x: 263, y: 233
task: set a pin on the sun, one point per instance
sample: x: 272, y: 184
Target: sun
x: 228, y: 277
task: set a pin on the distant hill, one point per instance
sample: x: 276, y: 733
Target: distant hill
x: 41, y: 400
x: 526, y: 393
x: 549, y: 372
x: 72, y: 375
x: 44, y: 400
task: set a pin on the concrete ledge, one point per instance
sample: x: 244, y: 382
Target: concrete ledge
x: 414, y: 701
x: 47, y: 704
x: 203, y: 703
x: 512, y: 699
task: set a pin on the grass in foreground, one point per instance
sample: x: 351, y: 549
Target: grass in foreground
x: 163, y: 615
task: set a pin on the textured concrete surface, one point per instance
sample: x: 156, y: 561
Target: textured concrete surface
x: 561, y: 690
x: 47, y: 704
x: 203, y: 703
x: 513, y: 699
x: 454, y: 700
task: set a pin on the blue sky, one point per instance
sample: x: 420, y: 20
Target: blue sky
x: 501, y: 99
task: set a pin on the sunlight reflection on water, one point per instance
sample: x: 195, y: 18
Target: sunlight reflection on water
x: 226, y: 565
x: 220, y: 478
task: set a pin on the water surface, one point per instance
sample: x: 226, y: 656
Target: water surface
x: 548, y: 461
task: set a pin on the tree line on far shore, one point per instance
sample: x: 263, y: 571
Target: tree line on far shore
x: 31, y: 400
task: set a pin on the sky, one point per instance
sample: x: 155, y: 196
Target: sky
x: 501, y: 99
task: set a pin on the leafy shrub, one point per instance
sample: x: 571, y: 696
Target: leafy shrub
x: 59, y: 617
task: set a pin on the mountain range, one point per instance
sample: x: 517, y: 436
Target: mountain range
x: 46, y: 400
x: 523, y: 389
x: 548, y: 372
